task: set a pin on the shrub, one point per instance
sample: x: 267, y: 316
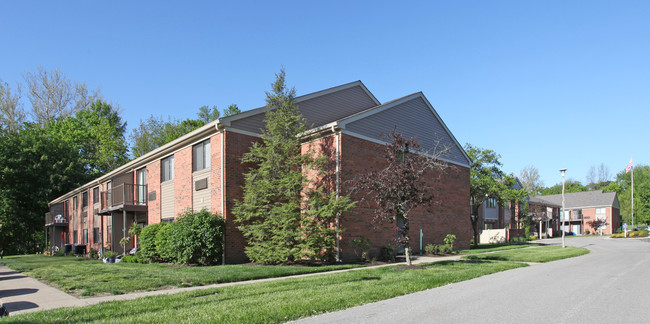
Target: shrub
x: 93, y: 254
x: 444, y: 248
x: 130, y: 259
x: 587, y: 232
x: 387, y: 253
x: 362, y: 245
x: 643, y: 233
x: 431, y: 249
x: 148, y: 242
x: 164, y: 243
x: 633, y: 234
x: 109, y: 254
x: 449, y: 239
x: 195, y: 238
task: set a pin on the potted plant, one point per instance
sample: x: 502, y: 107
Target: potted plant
x: 109, y: 257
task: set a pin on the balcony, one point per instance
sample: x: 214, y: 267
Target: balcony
x: 126, y: 196
x: 55, y: 220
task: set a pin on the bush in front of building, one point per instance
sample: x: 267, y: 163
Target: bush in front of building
x: 197, y: 238
x: 148, y: 249
x: 164, y: 243
x: 194, y: 238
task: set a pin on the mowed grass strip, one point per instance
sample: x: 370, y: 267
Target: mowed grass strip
x: 538, y: 254
x: 93, y: 278
x: 276, y: 301
x: 482, y: 248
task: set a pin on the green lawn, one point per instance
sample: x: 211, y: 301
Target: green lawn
x: 482, y: 248
x: 277, y: 301
x: 538, y: 254
x: 94, y: 278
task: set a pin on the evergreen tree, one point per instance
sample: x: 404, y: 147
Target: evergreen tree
x: 280, y: 223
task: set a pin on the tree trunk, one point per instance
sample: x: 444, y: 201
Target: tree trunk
x: 407, y: 252
x: 474, y: 221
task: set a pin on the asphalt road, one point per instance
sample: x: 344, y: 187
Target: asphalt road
x: 609, y: 285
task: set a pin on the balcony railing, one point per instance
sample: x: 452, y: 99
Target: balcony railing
x: 55, y: 219
x: 124, y: 194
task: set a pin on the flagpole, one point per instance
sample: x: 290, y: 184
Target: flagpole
x: 632, y: 198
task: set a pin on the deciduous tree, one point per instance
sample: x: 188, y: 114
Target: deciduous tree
x: 487, y: 180
x: 12, y: 115
x: 401, y: 186
x: 530, y: 180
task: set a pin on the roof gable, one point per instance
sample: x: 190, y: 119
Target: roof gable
x: 318, y: 108
x: 413, y: 116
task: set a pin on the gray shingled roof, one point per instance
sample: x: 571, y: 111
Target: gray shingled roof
x: 596, y: 198
x: 539, y: 201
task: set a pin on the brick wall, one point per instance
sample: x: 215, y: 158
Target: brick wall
x: 153, y: 186
x: 236, y: 145
x: 182, y: 181
x: 215, y: 173
x: 448, y: 215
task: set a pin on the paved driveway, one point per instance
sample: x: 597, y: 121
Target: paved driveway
x: 609, y: 285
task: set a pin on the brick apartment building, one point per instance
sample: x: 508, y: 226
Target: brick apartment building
x: 583, y: 207
x: 203, y: 169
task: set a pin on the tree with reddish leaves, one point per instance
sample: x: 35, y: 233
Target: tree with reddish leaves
x: 401, y: 187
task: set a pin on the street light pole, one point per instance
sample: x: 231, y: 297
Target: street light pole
x: 563, y: 211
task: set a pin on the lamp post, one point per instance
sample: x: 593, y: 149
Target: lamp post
x: 563, y: 211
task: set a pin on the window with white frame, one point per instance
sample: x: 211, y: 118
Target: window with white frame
x: 167, y: 169
x: 201, y: 156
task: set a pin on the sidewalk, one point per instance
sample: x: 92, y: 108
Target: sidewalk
x: 21, y: 294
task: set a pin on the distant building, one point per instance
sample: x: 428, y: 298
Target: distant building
x: 583, y: 207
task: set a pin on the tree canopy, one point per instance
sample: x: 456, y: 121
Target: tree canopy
x: 623, y: 187
x: 487, y: 180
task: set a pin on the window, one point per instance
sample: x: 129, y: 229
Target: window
x: 600, y: 211
x: 74, y: 237
x: 167, y: 220
x: 167, y: 169
x: 96, y: 235
x: 85, y: 238
x: 74, y: 205
x: 84, y: 200
x: 491, y: 203
x: 95, y: 195
x: 201, y: 156
x: 141, y: 178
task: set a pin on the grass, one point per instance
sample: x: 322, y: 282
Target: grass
x: 538, y: 254
x: 277, y: 301
x: 93, y: 278
x: 482, y: 248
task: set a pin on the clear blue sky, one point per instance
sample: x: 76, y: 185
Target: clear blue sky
x: 553, y: 84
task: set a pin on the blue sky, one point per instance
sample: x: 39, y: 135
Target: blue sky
x: 553, y: 84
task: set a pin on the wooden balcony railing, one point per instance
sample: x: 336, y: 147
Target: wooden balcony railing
x: 124, y: 194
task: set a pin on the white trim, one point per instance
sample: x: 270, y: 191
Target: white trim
x: 374, y: 140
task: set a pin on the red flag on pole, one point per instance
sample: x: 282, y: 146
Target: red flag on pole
x: 629, y: 166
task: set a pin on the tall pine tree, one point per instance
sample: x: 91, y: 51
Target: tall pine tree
x: 281, y: 221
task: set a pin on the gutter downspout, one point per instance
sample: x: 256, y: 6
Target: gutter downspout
x: 338, y: 188
x: 223, y: 196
